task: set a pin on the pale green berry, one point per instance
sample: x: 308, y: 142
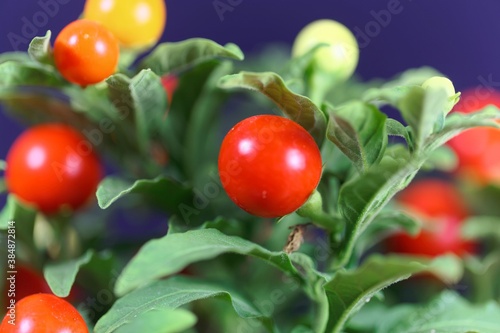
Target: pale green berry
x: 340, y: 58
x: 439, y: 82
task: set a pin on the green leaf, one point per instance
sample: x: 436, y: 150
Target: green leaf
x: 383, y: 225
x: 3, y: 186
x: 478, y: 227
x: 151, y: 263
x: 383, y: 96
x: 457, y: 123
x: 171, y: 294
x: 160, y: 321
x: 15, y: 56
x: 298, y: 108
x: 348, y: 291
x: 61, y: 276
x: 412, y: 77
x: 448, y: 313
x: 395, y: 128
x: 3, y: 165
x: 40, y: 49
x: 17, y: 74
x: 179, y: 56
x: 17, y: 212
x: 362, y: 198
x: 442, y: 158
x: 359, y: 130
x: 145, y: 96
x: 161, y: 191
x: 205, y: 113
x: 423, y: 111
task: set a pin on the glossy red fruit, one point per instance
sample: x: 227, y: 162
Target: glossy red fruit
x: 439, y: 205
x: 85, y: 52
x: 52, y: 167
x: 269, y: 165
x: 43, y: 313
x: 478, y: 150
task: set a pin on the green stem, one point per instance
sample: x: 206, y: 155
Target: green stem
x: 313, y: 209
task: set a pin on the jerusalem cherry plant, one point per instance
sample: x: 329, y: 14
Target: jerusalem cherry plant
x: 286, y: 199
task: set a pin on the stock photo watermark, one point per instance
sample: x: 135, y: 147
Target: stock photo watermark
x: 34, y: 24
x: 11, y: 272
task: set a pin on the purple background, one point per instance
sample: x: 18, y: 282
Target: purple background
x: 459, y: 38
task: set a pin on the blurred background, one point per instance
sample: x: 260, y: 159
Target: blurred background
x: 459, y: 38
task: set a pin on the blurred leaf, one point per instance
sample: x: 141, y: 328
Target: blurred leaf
x: 457, y: 123
x: 302, y: 329
x: 362, y: 198
x: 368, y: 317
x: 161, y: 191
x: 179, y: 56
x: 146, y: 99
x: 15, y: 56
x: 172, y: 131
x: 412, y: 77
x: 478, y: 227
x: 395, y: 128
x: 348, y: 291
x: 386, y: 223
x: 3, y: 165
x: 383, y: 96
x: 205, y: 111
x: 3, y: 186
x: 423, y: 111
x: 297, y: 67
x: 359, y: 130
x: 61, y: 276
x: 160, y: 321
x: 24, y: 74
x: 14, y: 210
x: 40, y: 49
x: 171, y: 294
x: 448, y: 313
x: 151, y: 263
x: 442, y: 158
x: 298, y: 108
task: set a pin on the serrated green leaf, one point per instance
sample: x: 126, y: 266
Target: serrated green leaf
x: 362, y: 198
x: 61, y: 276
x: 151, y: 263
x: 171, y: 294
x: 457, y: 123
x: 359, y: 130
x: 161, y: 191
x: 448, y: 313
x: 24, y: 74
x: 160, y: 321
x: 18, y: 212
x: 179, y: 56
x: 348, y: 291
x: 40, y: 49
x: 298, y: 108
x: 145, y: 97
